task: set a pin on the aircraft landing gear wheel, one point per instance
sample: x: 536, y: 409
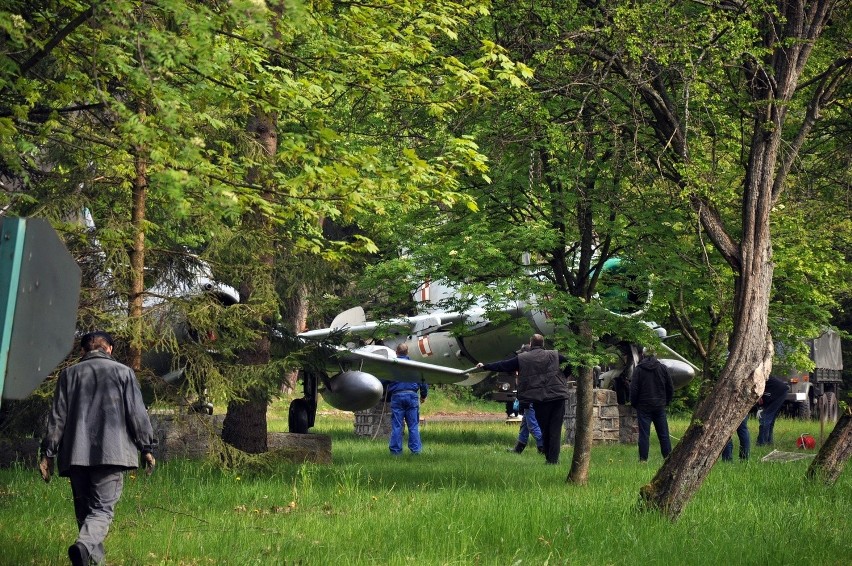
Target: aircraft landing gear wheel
x: 297, y: 418
x: 201, y: 407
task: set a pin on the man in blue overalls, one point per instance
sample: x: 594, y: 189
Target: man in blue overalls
x: 405, y: 408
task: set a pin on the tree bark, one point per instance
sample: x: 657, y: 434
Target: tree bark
x: 832, y: 457
x: 137, y: 257
x: 583, y: 439
x: 296, y: 315
x: 582, y: 454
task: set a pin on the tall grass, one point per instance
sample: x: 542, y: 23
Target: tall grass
x: 465, y: 500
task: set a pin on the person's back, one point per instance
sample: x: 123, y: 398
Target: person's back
x: 405, y: 399
x: 103, y: 412
x: 651, y: 386
x: 651, y: 391
x: 539, y: 376
x: 97, y: 423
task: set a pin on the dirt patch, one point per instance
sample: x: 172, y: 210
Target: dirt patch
x: 465, y: 416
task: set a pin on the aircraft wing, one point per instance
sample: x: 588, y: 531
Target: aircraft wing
x: 377, y: 361
x: 354, y: 322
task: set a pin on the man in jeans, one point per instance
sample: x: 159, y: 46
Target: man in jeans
x: 745, y: 443
x: 405, y: 409
x: 651, y: 391
x: 529, y: 425
x: 97, y: 424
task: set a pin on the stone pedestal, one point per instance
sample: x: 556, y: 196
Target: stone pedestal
x: 19, y: 450
x: 611, y: 422
x: 374, y: 423
x: 191, y: 436
x: 300, y: 447
x: 185, y: 435
x: 628, y: 432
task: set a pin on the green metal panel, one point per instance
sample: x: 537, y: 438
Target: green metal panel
x: 11, y: 247
x: 44, y: 315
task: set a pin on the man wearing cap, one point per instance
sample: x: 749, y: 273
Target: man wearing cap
x: 97, y: 425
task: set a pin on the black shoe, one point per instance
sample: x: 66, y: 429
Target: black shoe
x: 519, y: 447
x: 540, y: 449
x: 78, y: 555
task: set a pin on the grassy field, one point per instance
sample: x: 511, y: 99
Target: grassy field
x: 465, y: 500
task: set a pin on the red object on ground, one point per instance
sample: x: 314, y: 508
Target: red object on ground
x: 806, y: 442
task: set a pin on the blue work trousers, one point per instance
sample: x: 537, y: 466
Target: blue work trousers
x: 529, y: 424
x: 405, y: 409
x: 645, y: 417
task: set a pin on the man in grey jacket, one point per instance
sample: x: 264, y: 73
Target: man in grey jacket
x: 97, y: 425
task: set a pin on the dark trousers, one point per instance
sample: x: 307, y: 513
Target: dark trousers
x: 96, y: 491
x: 770, y: 411
x: 646, y: 416
x: 745, y: 443
x: 550, y: 415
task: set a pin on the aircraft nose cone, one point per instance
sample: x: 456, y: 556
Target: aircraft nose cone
x: 680, y: 372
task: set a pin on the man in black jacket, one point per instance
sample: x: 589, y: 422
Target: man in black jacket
x: 542, y: 383
x: 651, y: 391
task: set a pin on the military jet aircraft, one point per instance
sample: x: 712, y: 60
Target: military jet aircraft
x: 437, y: 353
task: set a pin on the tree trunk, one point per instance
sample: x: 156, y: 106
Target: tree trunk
x: 772, y: 84
x: 296, y: 315
x: 137, y: 257
x: 582, y: 455
x: 244, y: 426
x: 832, y: 457
x: 749, y: 363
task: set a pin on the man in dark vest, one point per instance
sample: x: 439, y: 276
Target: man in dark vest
x: 542, y: 383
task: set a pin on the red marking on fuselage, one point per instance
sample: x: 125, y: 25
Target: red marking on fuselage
x: 423, y: 345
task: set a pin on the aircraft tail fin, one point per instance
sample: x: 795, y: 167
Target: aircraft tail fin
x: 352, y: 317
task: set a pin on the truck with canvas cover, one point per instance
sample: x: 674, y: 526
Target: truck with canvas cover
x: 815, y: 394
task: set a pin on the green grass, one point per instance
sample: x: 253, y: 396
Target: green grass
x: 465, y: 500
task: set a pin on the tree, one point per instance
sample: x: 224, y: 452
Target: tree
x: 559, y: 189
x: 333, y: 77
x: 780, y: 96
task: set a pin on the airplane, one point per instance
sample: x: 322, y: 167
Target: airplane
x: 171, y: 369
x: 438, y: 354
